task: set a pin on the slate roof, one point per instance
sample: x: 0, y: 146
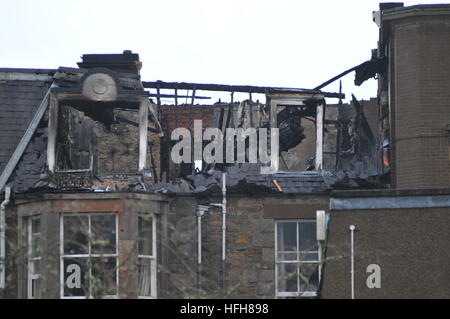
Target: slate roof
x: 19, y: 100
x: 18, y: 103
x: 247, y: 179
x: 291, y: 182
x: 296, y: 182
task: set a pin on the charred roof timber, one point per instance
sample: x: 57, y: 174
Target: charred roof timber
x: 236, y: 88
x: 107, y: 81
x: 363, y: 71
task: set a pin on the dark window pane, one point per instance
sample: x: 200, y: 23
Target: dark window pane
x: 309, y: 277
x: 36, y: 267
x: 287, y: 236
x: 307, y: 236
x: 36, y: 288
x: 145, y: 235
x: 103, y: 280
x: 76, y: 233
x: 287, y: 278
x: 103, y: 228
x: 35, y: 225
x: 35, y: 246
x: 145, y: 277
x: 76, y: 277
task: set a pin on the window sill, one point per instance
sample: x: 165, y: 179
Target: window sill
x: 306, y: 294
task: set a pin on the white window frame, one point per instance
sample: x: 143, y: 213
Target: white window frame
x: 299, y: 293
x: 30, y: 264
x: 276, y: 100
x: 89, y: 254
x: 152, y: 258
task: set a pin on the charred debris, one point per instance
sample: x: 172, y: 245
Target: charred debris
x: 107, y: 130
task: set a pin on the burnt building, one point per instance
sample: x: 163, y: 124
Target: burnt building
x: 352, y: 204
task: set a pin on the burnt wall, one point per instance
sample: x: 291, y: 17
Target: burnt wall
x: 216, y: 115
x: 83, y: 142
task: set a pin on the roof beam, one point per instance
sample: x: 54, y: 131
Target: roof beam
x: 234, y: 88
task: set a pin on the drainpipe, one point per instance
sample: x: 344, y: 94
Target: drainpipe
x: 352, y: 261
x: 201, y: 210
x: 3, y: 235
x: 224, y: 227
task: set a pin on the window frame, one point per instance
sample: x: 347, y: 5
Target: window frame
x: 89, y: 254
x: 298, y: 261
x: 31, y: 293
x: 152, y: 258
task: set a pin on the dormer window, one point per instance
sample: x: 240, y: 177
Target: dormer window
x: 98, y: 122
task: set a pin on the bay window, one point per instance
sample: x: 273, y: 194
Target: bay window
x: 89, y: 255
x: 34, y: 256
x: 147, y: 255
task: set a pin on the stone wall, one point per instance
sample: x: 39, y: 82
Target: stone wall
x: 250, y: 244
x: 113, y: 152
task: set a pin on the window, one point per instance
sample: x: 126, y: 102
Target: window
x: 34, y: 256
x: 75, y: 141
x: 89, y: 263
x: 147, y: 255
x: 298, y: 259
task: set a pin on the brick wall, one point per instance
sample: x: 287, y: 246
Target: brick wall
x: 183, y: 116
x: 422, y: 101
x: 175, y: 117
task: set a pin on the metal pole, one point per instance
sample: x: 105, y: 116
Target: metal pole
x: 352, y: 261
x: 224, y: 229
x: 199, y: 248
x: 201, y: 210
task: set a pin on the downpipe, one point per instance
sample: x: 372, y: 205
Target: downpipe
x: 352, y: 260
x: 223, y: 205
x: 224, y: 229
x: 201, y: 211
x: 3, y: 236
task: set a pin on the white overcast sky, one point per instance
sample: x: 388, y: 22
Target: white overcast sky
x: 284, y: 43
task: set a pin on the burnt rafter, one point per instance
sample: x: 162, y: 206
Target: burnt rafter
x: 363, y: 71
x: 370, y: 69
x: 234, y: 88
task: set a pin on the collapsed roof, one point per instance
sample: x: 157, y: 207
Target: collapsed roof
x: 23, y: 161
